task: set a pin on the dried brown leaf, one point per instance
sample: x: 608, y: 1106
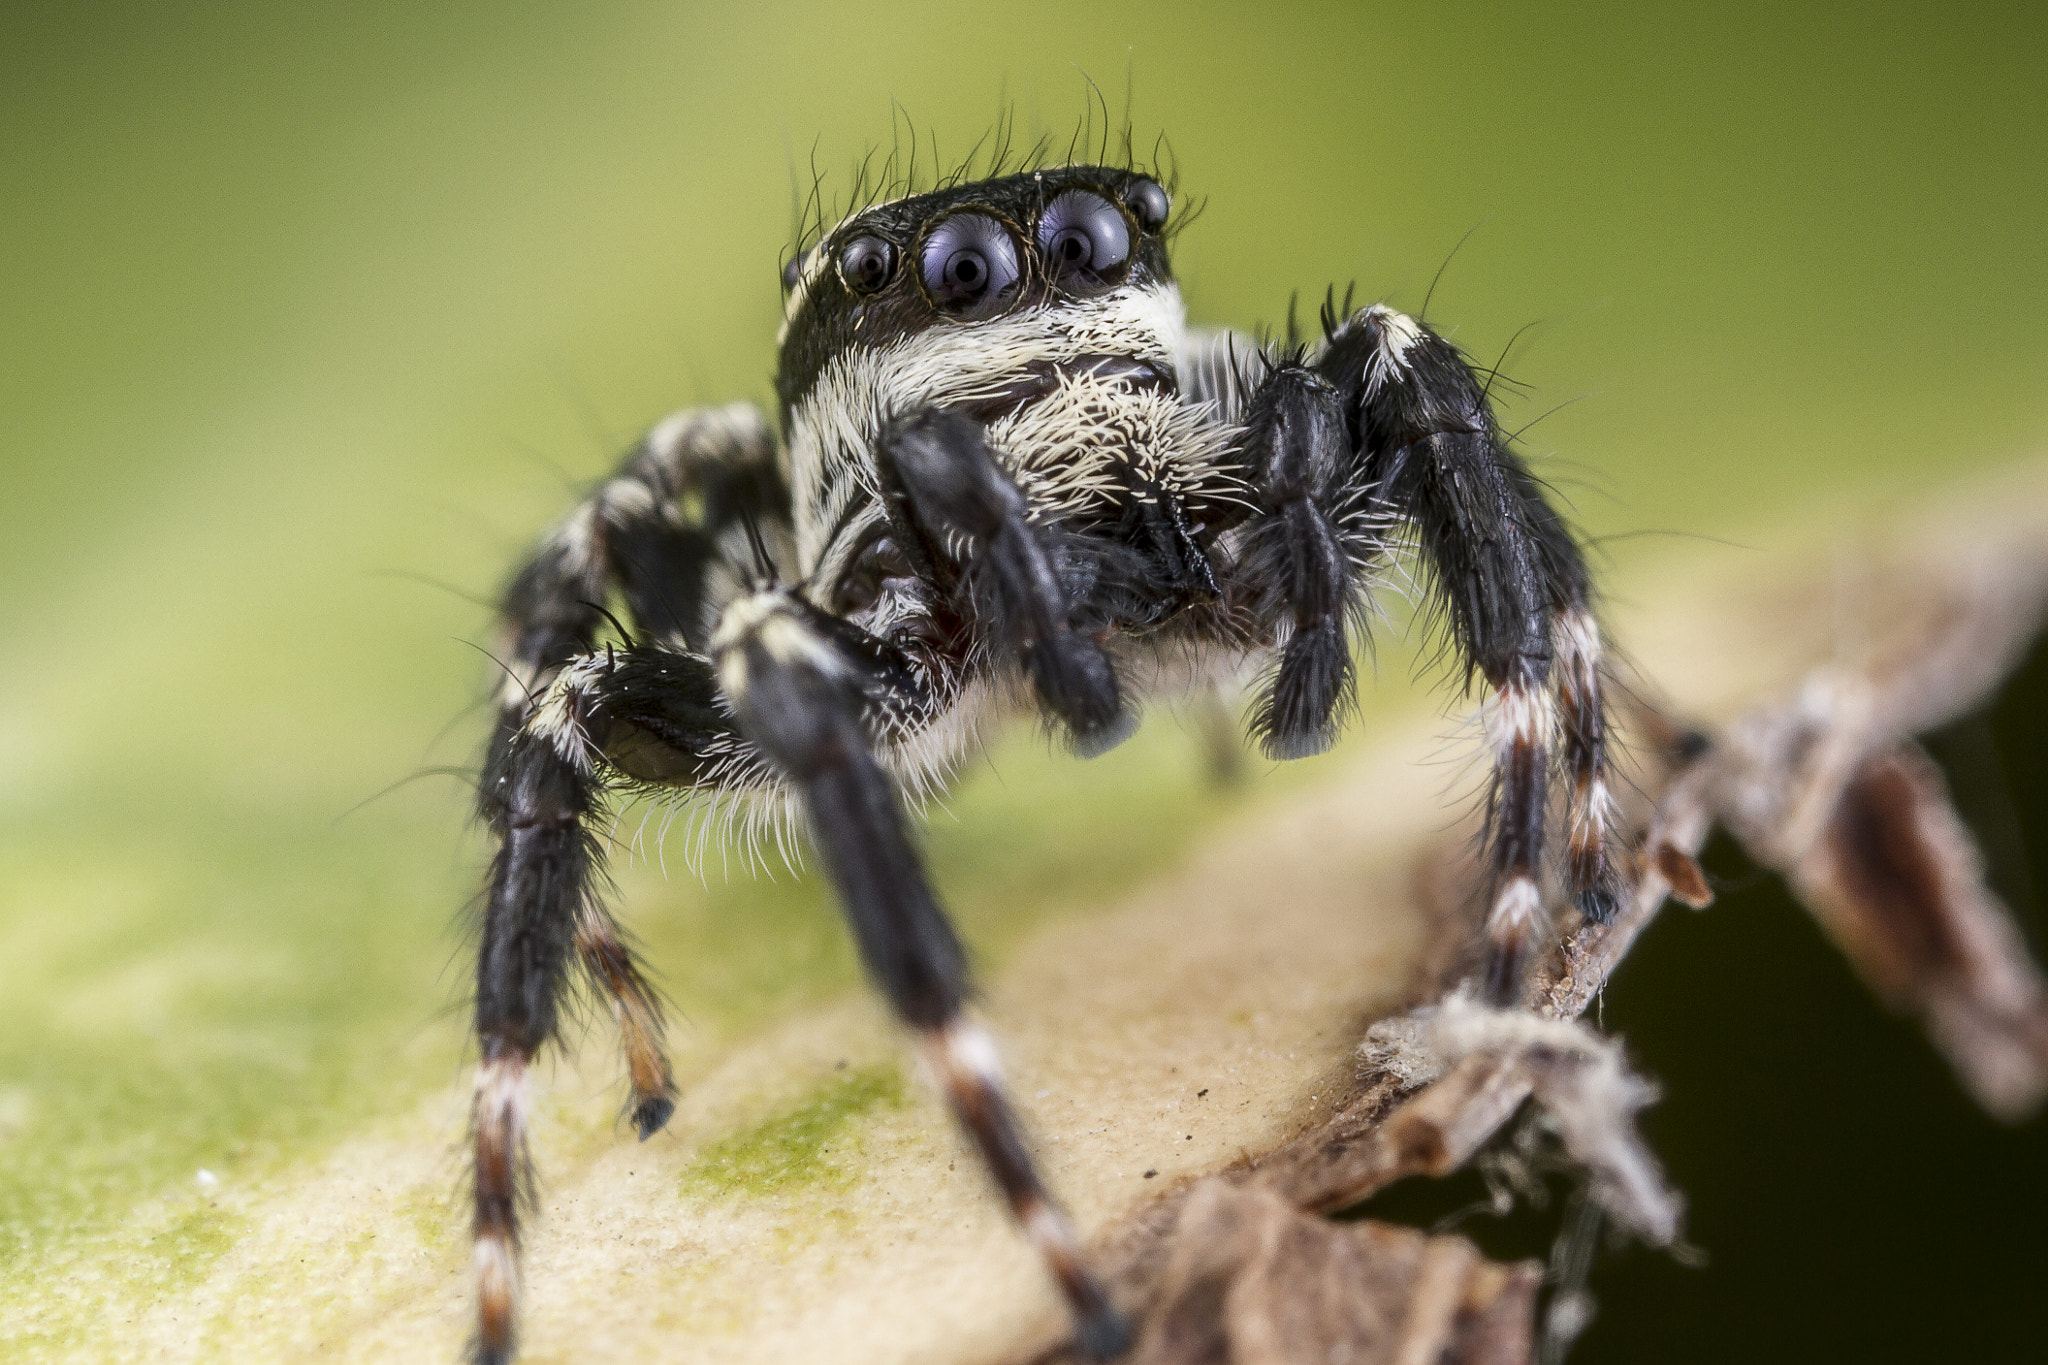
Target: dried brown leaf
x: 1251, y: 1280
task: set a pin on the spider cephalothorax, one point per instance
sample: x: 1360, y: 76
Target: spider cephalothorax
x: 1009, y: 477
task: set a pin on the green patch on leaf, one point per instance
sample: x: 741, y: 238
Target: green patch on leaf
x: 802, y: 1147
x: 184, y: 1251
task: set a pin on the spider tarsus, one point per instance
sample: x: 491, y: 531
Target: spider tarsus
x: 499, y: 1107
x: 1075, y: 677
x: 1302, y: 714
x: 1100, y: 739
x: 652, y: 1114
x: 1285, y: 746
x: 1306, y: 744
x: 1599, y: 904
x: 1103, y: 1335
x: 1507, y: 965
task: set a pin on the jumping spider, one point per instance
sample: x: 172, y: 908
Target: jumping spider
x: 1008, y: 476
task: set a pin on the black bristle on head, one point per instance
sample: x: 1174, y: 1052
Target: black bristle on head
x: 913, y: 164
x: 616, y: 624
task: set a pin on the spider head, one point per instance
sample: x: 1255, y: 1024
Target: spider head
x: 963, y: 274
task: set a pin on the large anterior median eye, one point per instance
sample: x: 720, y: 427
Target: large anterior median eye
x: 969, y: 265
x: 1086, y: 241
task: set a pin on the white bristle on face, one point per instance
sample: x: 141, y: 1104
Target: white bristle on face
x: 833, y: 426
x: 1071, y: 447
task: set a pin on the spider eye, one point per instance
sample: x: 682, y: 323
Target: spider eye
x: 1085, y: 240
x: 793, y: 270
x: 861, y: 588
x: 867, y: 263
x: 969, y: 265
x: 1148, y: 203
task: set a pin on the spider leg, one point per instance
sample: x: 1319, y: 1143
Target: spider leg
x: 541, y: 892
x: 800, y: 695
x: 952, y: 505
x: 1590, y: 871
x: 1514, y: 591
x: 656, y: 532
x: 646, y: 712
x: 662, y: 532
x: 1299, y: 457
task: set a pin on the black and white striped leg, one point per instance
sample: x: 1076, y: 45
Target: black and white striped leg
x: 1580, y: 731
x: 657, y: 532
x: 1589, y: 868
x: 647, y: 712
x: 1519, y: 723
x: 801, y: 698
x: 954, y: 508
x: 1510, y: 583
x: 541, y: 887
x: 662, y: 532
x: 1299, y: 454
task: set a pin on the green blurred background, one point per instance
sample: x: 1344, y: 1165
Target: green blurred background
x: 306, y: 310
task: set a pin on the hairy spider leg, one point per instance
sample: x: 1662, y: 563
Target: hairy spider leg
x: 1298, y: 451
x: 800, y: 697
x: 957, y: 511
x: 540, y: 883
x: 1511, y: 586
x: 653, y: 531
x: 1590, y: 872
x: 649, y: 712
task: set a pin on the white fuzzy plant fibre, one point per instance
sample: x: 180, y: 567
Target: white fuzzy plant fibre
x: 1581, y: 1082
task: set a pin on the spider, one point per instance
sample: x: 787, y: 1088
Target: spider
x: 1008, y: 477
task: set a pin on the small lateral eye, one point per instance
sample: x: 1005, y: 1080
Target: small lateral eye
x: 1084, y: 238
x: 867, y: 263
x: 1148, y: 203
x: 969, y: 265
x: 793, y: 270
